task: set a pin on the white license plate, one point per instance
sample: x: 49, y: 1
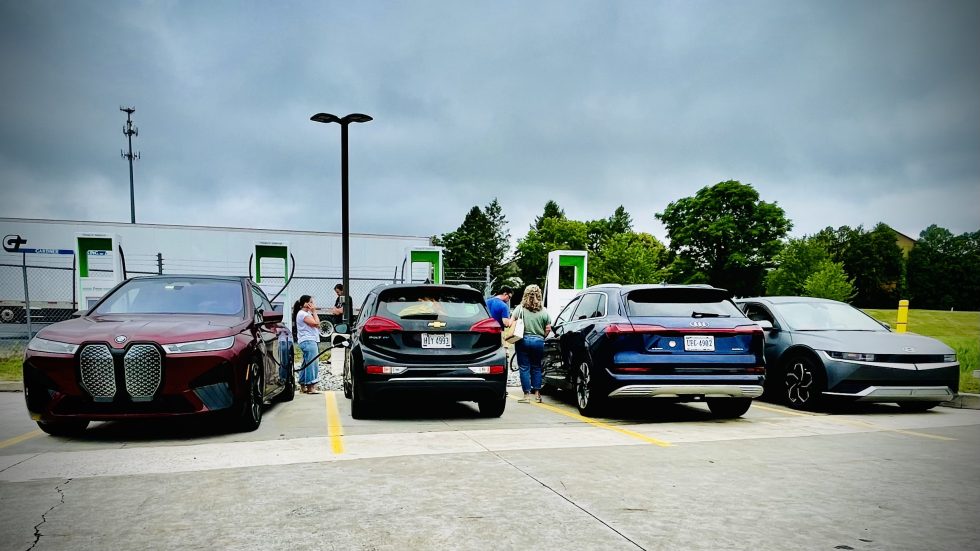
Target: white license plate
x: 437, y: 340
x: 699, y: 343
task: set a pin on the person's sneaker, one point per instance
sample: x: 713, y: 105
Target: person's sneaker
x: 526, y: 399
x: 537, y: 398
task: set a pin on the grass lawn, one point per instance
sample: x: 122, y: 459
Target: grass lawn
x: 10, y: 365
x: 960, y: 330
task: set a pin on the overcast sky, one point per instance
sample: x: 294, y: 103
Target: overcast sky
x: 849, y: 112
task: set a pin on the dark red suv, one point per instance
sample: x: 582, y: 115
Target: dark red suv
x: 159, y: 346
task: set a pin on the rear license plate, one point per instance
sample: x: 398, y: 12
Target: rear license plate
x: 699, y: 343
x: 437, y: 340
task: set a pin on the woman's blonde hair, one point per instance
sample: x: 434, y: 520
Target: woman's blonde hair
x: 532, y: 298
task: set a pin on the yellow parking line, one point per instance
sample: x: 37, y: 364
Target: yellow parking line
x: 755, y: 405
x: 335, y: 430
x: 601, y: 425
x: 853, y: 423
x: 21, y: 438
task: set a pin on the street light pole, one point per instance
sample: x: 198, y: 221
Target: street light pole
x: 344, y: 209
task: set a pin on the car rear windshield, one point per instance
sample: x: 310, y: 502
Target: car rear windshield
x: 431, y: 304
x: 176, y: 296
x: 684, y: 303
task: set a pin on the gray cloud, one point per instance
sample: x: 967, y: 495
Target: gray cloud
x: 843, y: 112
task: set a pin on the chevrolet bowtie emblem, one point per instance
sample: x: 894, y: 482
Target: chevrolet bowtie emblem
x: 437, y: 324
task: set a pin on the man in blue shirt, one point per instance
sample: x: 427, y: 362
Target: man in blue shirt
x: 498, y: 306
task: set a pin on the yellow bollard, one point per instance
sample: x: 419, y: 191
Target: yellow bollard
x: 903, y: 316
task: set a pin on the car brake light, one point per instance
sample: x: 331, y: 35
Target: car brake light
x: 384, y: 369
x: 378, y: 324
x: 487, y: 369
x: 488, y: 325
x: 617, y: 328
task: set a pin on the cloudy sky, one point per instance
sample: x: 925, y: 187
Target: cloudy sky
x: 843, y: 112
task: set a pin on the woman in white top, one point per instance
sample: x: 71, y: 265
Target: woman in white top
x: 307, y: 337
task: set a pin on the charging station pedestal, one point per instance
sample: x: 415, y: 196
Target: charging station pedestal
x: 275, y: 252
x: 423, y: 255
x: 98, y: 266
x: 556, y: 297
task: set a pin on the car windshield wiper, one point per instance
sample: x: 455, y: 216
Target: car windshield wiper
x: 709, y: 315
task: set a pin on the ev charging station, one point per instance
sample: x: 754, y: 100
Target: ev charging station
x: 274, y: 252
x: 99, y: 266
x: 431, y: 256
x: 556, y: 297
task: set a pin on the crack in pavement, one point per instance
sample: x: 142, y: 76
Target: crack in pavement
x: 44, y: 516
x: 19, y: 462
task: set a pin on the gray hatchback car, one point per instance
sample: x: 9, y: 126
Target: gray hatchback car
x: 817, y: 349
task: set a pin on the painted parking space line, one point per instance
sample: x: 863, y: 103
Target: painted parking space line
x: 21, y: 438
x: 854, y: 423
x: 335, y: 429
x: 601, y: 425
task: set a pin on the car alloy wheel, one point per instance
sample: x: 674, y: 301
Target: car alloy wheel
x: 802, y: 383
x: 582, y: 383
x: 250, y: 416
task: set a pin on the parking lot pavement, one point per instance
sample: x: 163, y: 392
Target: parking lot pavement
x: 437, y: 476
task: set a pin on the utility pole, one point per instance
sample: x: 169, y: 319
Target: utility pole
x: 129, y: 130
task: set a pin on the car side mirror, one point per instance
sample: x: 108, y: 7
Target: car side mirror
x: 271, y: 316
x: 766, y: 325
x: 340, y: 340
x: 79, y: 313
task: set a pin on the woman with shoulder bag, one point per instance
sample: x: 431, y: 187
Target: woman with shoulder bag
x: 530, y: 349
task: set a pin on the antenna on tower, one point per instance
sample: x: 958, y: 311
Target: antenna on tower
x: 129, y: 131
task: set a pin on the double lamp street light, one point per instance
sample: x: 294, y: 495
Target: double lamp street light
x: 345, y: 222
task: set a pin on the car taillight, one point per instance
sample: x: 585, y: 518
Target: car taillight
x: 384, y: 369
x: 378, y: 324
x: 617, y: 328
x: 488, y: 325
x: 487, y: 369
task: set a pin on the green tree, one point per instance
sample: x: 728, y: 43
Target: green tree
x: 829, y: 280
x: 872, y: 258
x: 798, y: 259
x: 944, y: 270
x: 481, y: 240
x: 629, y: 258
x: 603, y: 229
x: 551, y: 210
x: 725, y: 234
x: 553, y: 234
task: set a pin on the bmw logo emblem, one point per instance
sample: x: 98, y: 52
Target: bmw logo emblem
x: 121, y: 339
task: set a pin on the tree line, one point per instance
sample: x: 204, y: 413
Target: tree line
x: 727, y: 236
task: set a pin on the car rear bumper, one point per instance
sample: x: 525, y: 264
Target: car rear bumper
x: 455, y: 388
x: 683, y: 391
x: 899, y: 394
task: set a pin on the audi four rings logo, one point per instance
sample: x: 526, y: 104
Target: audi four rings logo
x: 699, y: 324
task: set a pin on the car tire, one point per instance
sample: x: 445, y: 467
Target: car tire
x: 288, y: 391
x: 729, y: 408
x: 359, y: 408
x: 250, y: 409
x: 72, y: 427
x: 7, y: 315
x: 804, y: 382
x: 588, y: 400
x: 492, y: 408
x: 917, y: 407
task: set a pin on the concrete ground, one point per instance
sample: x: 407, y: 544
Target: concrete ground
x: 436, y: 476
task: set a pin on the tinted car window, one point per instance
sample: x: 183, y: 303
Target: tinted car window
x: 680, y: 303
x: 429, y: 304
x: 175, y: 296
x: 566, y: 313
x: 589, y: 306
x: 816, y: 316
x: 756, y: 312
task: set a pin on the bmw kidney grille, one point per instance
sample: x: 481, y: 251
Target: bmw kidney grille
x: 98, y: 375
x: 142, y: 368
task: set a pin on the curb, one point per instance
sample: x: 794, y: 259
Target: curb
x: 964, y: 401
x: 11, y: 386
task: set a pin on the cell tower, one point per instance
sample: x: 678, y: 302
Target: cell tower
x: 129, y: 130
